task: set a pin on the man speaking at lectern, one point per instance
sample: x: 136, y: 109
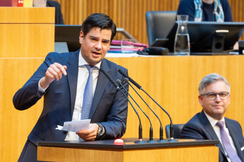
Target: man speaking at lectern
x: 214, y: 97
x: 74, y: 88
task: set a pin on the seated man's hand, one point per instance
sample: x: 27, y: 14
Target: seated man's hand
x: 89, y: 134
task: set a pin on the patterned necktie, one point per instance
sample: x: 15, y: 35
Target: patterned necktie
x: 88, y: 95
x: 226, y: 143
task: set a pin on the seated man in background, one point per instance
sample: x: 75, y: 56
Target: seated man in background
x: 214, y: 97
x: 74, y: 88
x: 47, y: 3
x: 205, y: 10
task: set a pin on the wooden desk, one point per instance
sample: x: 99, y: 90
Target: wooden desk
x: 106, y: 151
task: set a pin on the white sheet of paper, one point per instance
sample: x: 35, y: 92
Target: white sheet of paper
x: 74, y: 126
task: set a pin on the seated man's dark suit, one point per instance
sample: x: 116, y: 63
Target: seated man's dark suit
x: 199, y: 127
x: 109, y: 106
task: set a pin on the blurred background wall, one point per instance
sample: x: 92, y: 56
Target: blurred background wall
x: 129, y: 14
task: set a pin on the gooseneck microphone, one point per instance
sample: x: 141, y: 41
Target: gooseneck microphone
x: 151, y: 128
x: 139, y: 87
x: 117, y: 87
x: 161, y: 127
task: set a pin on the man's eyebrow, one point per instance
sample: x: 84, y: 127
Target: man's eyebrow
x: 107, y: 40
x: 91, y: 36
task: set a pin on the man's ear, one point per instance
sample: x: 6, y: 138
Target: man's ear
x: 81, y: 37
x: 200, y: 100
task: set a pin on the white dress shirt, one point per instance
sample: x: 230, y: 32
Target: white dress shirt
x: 83, y: 74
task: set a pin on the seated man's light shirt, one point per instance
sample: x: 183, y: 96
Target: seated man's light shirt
x: 81, y: 83
x: 217, y: 131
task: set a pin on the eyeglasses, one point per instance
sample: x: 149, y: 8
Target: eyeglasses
x: 212, y: 96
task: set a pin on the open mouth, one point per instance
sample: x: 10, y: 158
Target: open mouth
x: 96, y: 53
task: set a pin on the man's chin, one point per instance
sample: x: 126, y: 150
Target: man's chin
x: 219, y: 112
x: 95, y: 61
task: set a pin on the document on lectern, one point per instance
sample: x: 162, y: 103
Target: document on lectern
x: 74, y: 126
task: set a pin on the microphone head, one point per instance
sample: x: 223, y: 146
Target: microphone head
x: 126, y: 79
x: 118, y: 81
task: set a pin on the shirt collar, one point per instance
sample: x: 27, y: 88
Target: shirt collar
x: 212, y: 120
x: 83, y: 62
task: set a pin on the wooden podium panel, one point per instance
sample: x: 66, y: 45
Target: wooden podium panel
x: 26, y: 32
x: 15, y: 125
x: 26, y: 37
x: 21, y: 15
x: 170, y: 152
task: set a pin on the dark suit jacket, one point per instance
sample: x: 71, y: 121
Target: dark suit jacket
x: 109, y: 106
x: 58, y: 14
x: 200, y: 128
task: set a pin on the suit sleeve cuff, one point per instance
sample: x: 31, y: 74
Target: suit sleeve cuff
x: 41, y: 90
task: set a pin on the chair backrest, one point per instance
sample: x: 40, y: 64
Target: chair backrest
x: 159, y: 24
x: 177, y: 130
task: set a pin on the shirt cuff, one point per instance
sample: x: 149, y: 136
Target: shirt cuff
x: 40, y: 89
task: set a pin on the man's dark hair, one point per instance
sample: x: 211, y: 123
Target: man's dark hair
x: 98, y: 20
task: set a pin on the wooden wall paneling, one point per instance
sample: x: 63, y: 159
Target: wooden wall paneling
x: 240, y: 10
x: 234, y: 10
x: 116, y: 16
x: 110, y: 7
x: 71, y: 11
x: 175, y: 4
x: 237, y: 11
x: 24, y: 40
x: 67, y: 12
x: 23, y: 15
x: 143, y: 21
x: 23, y: 34
x: 140, y: 21
x: 16, y: 125
x: 133, y: 16
x: 167, y: 5
x: 82, y: 10
x: 127, y: 16
x: 137, y: 18
x: 118, y: 11
x: 75, y: 11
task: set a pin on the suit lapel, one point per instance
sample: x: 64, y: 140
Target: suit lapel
x: 211, y: 131
x: 72, y: 74
x: 233, y: 134
x: 101, y: 85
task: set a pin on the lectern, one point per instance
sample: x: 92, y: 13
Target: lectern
x: 107, y: 151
